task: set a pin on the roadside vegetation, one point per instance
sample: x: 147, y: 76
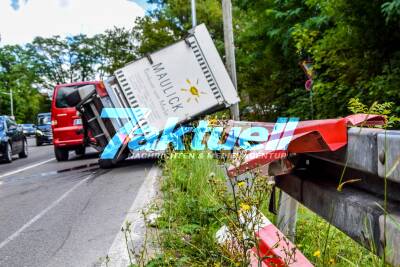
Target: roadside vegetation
x: 198, y: 199
x: 190, y: 212
x: 194, y: 208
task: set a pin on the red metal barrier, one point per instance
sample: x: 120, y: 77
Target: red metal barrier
x: 309, y: 136
x: 275, y: 250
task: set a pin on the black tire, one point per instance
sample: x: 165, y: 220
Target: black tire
x: 8, y: 153
x: 38, y: 143
x: 61, y: 154
x: 106, y: 163
x: 24, y: 152
x: 80, y: 151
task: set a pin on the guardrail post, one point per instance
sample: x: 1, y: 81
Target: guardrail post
x: 287, y: 215
x: 392, y: 237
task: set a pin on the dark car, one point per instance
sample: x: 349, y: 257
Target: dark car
x: 29, y: 129
x: 12, y: 139
x: 44, y: 134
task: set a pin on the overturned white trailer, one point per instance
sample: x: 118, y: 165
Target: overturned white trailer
x: 185, y: 80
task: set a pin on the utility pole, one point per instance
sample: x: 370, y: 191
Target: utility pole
x: 230, y: 50
x: 194, y: 22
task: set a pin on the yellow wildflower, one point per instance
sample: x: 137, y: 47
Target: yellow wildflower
x: 241, y: 184
x: 332, y: 261
x: 244, y: 207
x: 213, y: 122
x: 317, y: 254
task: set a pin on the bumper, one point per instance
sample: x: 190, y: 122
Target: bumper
x: 68, y: 143
x: 29, y: 133
x: 68, y: 136
x: 45, y: 139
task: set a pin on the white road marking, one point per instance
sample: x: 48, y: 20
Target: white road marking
x: 43, y: 212
x: 118, y: 253
x: 25, y: 168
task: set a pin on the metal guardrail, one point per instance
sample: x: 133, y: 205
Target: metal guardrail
x: 369, y: 161
x: 348, y: 176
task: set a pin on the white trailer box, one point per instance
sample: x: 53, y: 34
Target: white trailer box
x: 184, y: 80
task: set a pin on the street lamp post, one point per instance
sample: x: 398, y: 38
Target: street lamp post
x: 11, y: 101
x: 194, y: 22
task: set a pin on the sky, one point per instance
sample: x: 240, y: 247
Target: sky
x: 22, y: 20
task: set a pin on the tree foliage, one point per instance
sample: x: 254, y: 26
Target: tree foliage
x: 356, y: 54
x: 19, y: 74
x: 40, y: 65
x: 353, y: 46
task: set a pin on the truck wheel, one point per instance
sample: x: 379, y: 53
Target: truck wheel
x: 80, y: 151
x: 61, y: 154
x: 24, y: 152
x: 106, y: 163
x: 8, y: 153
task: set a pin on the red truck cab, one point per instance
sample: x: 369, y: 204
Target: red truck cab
x: 66, y: 124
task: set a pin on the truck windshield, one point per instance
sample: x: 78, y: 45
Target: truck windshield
x: 61, y: 101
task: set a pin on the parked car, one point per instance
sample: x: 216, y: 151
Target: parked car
x: 12, y: 139
x: 68, y: 132
x: 29, y: 129
x: 44, y: 134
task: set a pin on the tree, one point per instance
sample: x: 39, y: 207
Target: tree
x: 64, y: 60
x: 355, y: 53
x: 353, y: 46
x: 114, y: 49
x: 19, y: 74
x: 153, y: 34
x: 49, y: 61
x: 171, y: 21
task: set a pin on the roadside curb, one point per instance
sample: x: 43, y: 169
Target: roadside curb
x: 118, y: 254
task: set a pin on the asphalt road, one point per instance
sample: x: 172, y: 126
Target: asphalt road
x: 63, y: 214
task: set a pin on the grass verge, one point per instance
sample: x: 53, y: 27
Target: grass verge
x: 191, y: 214
x: 189, y: 217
